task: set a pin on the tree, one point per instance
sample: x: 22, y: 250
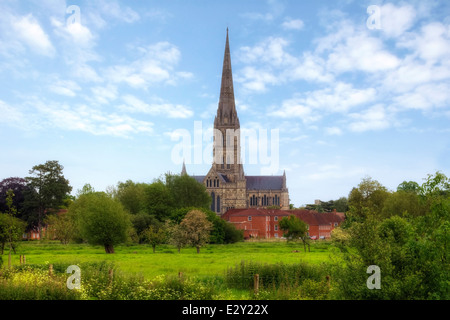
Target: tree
x: 154, y: 236
x: 50, y: 186
x: 62, y: 227
x: 187, y: 192
x: 409, y: 186
x: 177, y: 235
x: 196, y: 228
x: 101, y: 220
x: 23, y: 199
x: 367, y: 199
x: 159, y: 201
x: 403, y: 203
x: 131, y: 195
x: 11, y: 228
x: 295, y: 229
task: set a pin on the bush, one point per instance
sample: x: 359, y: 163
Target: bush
x: 29, y: 283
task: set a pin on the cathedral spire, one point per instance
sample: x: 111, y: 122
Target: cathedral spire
x: 183, y: 169
x: 226, y: 112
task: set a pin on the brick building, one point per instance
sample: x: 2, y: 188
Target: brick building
x: 264, y: 223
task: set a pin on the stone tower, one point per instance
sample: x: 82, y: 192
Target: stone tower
x: 226, y: 181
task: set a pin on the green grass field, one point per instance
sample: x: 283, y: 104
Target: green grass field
x: 213, y: 260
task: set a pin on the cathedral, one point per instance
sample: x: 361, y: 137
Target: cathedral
x: 226, y: 181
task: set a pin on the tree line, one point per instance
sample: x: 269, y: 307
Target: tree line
x: 166, y: 210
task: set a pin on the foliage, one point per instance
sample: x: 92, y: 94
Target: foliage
x: 61, y: 227
x: 296, y: 229
x: 27, y: 283
x: 196, y: 229
x: 11, y: 228
x: 50, y: 186
x: 187, y: 191
x: 407, y: 238
x: 131, y: 195
x: 155, y: 236
x: 279, y: 276
x: 366, y: 200
x: 101, y: 219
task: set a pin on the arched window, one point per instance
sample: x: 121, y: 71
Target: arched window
x: 253, y: 200
x: 213, y: 200
x: 217, y: 183
x: 218, y: 204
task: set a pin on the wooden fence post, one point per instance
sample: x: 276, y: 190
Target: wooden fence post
x: 256, y: 283
x: 24, y: 259
x: 110, y: 275
x: 50, y: 269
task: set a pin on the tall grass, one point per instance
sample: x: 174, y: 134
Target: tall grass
x: 281, y: 281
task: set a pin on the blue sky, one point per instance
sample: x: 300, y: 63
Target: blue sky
x: 104, y: 91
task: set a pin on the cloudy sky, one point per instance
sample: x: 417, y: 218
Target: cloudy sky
x: 105, y: 86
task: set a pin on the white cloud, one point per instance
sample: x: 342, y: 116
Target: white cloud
x: 104, y: 94
x: 432, y: 44
x: 313, y: 105
x: 113, y: 9
x: 76, y: 34
x: 10, y: 115
x: 361, y: 52
x: 135, y: 105
x: 64, y: 87
x: 310, y: 67
x: 395, y: 21
x: 333, y: 131
x: 293, y: 24
x: 424, y: 97
x: 256, y: 79
x: 156, y: 65
x: 87, y: 119
x: 28, y: 30
x: 374, y: 118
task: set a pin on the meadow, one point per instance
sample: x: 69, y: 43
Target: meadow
x: 213, y: 260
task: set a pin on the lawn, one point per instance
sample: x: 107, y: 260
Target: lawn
x: 213, y: 260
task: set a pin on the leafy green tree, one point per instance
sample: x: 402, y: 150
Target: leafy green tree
x: 50, y: 186
x: 187, y: 192
x: 131, y: 195
x: 366, y: 200
x: 411, y: 250
x: 159, y: 201
x: 11, y: 228
x: 101, y: 220
x: 409, y: 186
x: 155, y: 236
x: 295, y: 229
x: 62, y: 227
x: 196, y: 229
x: 341, y: 204
x: 403, y: 203
x: 221, y: 232
x: 177, y: 235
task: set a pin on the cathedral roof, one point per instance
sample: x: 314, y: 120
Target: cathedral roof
x: 264, y: 182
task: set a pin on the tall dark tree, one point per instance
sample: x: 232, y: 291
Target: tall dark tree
x: 50, y: 186
x: 23, y: 201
